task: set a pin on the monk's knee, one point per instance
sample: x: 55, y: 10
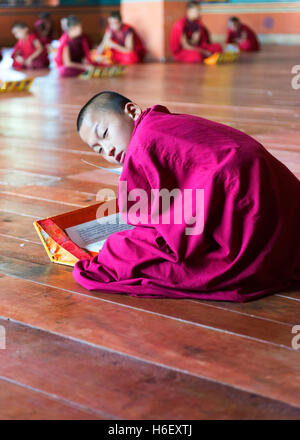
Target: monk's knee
x: 39, y: 64
x: 132, y: 58
x: 189, y: 56
x: 18, y: 66
x: 246, y: 46
x: 65, y: 72
x: 216, y: 48
x: 126, y: 58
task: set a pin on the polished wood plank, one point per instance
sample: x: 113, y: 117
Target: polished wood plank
x: 52, y: 194
x: 250, y: 320
x: 31, y: 404
x: 18, y: 226
x: 179, y: 345
x: 32, y: 207
x: 106, y: 383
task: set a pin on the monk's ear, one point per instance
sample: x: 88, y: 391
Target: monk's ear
x: 132, y: 110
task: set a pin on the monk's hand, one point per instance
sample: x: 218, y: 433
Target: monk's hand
x: 20, y: 59
x: 206, y: 53
x: 88, y: 67
x: 101, y: 58
x: 28, y: 62
x: 111, y: 44
x: 195, y: 38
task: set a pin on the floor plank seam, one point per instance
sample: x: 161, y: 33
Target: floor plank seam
x: 21, y: 239
x: 149, y: 362
x: 289, y: 297
x: 238, y: 335
x: 8, y: 211
x: 29, y: 173
x: 26, y: 196
x: 58, y: 398
x: 243, y: 313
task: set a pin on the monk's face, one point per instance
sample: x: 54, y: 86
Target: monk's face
x: 233, y: 25
x: 114, y: 23
x: 20, y: 33
x: 109, y: 133
x: 75, y: 31
x: 193, y: 13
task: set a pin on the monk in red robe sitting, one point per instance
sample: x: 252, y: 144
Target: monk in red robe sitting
x: 122, y: 40
x: 73, y: 53
x: 44, y: 28
x: 29, y: 52
x: 241, y: 34
x: 190, y: 40
x: 214, y: 214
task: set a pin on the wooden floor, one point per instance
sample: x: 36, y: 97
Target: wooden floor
x: 76, y: 354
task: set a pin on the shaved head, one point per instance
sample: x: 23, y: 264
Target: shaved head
x: 20, y: 25
x: 234, y: 23
x: 104, y: 101
x: 192, y: 10
x: 234, y: 19
x: 192, y: 4
x: 106, y: 123
x: 72, y: 20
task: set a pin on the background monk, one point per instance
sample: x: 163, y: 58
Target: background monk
x: 73, y: 53
x: 123, y: 41
x: 241, y: 34
x: 29, y: 52
x: 237, y: 241
x: 190, y: 41
x: 44, y: 28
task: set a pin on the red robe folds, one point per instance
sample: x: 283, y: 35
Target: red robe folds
x: 251, y: 44
x: 25, y: 48
x: 79, y: 49
x: 191, y: 56
x: 119, y: 37
x: 247, y: 242
x: 39, y: 27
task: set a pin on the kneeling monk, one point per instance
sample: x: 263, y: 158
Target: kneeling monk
x: 230, y: 218
x: 44, y: 28
x: 124, y: 43
x: 29, y: 52
x: 190, y: 41
x: 73, y: 53
x: 241, y: 34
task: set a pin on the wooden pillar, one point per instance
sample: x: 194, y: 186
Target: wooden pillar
x: 152, y: 20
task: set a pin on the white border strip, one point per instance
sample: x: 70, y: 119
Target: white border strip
x: 280, y: 39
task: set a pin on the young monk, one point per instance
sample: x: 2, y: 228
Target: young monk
x: 28, y: 53
x: 123, y: 41
x: 241, y: 34
x: 73, y: 53
x: 44, y: 28
x: 190, y: 40
x: 237, y: 240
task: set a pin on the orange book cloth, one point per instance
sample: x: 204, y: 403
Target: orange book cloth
x: 53, y: 232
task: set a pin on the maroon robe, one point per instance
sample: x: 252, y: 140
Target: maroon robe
x: 243, y: 244
x: 184, y: 26
x: 39, y: 30
x: 251, y: 44
x: 79, y: 49
x: 25, y: 48
x: 119, y: 37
